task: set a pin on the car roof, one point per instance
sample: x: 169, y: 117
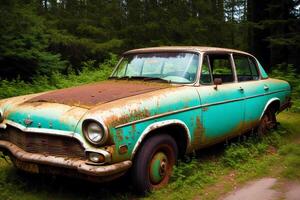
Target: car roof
x: 184, y: 48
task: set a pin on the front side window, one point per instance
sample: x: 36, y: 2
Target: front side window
x: 221, y: 67
x: 245, y: 68
x: 205, y: 78
x: 174, y: 67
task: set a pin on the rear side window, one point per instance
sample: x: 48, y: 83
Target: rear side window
x: 246, y: 69
x: 221, y: 67
x: 253, y: 68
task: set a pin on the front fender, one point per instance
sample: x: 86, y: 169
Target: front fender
x: 151, y: 128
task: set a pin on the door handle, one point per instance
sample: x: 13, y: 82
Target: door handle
x: 266, y: 87
x: 241, y: 89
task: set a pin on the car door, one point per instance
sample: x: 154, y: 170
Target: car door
x: 222, y: 105
x: 254, y: 88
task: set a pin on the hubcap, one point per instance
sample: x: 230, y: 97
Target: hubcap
x: 158, y: 167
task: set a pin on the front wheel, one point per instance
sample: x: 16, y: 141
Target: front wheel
x: 154, y: 162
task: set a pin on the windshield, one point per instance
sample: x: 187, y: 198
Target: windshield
x: 175, y: 67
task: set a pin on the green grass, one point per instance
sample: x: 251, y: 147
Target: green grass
x: 291, y: 152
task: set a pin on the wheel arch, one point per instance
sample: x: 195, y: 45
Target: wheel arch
x: 180, y: 133
x: 272, y: 103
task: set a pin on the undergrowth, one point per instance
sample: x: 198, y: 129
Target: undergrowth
x: 289, y: 74
x: 57, y: 80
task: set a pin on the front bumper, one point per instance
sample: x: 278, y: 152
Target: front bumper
x: 65, y: 163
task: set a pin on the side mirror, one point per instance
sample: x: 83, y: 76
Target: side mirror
x: 217, y: 81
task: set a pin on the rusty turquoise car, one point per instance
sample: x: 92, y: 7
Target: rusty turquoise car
x: 158, y: 105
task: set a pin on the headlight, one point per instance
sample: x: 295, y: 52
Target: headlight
x: 94, y: 132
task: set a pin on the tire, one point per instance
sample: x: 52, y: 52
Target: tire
x: 268, y: 122
x: 153, y: 164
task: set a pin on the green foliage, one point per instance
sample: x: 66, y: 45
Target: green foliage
x: 237, y: 154
x: 79, y: 49
x: 57, y: 80
x: 39, y: 37
x: 23, y: 43
x: 288, y: 73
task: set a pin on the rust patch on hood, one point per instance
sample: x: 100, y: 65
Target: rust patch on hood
x: 90, y: 95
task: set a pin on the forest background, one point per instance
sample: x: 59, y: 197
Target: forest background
x: 42, y: 40
x: 51, y: 44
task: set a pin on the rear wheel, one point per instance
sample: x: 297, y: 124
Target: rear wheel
x: 154, y: 163
x: 267, y: 122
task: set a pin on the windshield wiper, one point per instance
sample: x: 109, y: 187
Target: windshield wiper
x: 120, y: 78
x: 144, y: 78
x: 156, y: 79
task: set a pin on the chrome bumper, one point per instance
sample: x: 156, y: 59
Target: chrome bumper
x: 63, y: 162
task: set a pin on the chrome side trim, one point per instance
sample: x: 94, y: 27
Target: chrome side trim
x: 195, y: 107
x: 159, y: 125
x: 158, y: 116
x: 269, y: 93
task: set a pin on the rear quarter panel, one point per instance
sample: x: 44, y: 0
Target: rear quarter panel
x: 257, y: 98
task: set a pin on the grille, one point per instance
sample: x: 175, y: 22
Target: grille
x: 45, y: 144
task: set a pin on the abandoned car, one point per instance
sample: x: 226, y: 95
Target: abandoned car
x: 158, y: 105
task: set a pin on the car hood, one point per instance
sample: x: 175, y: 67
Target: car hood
x: 88, y: 96
x: 63, y: 109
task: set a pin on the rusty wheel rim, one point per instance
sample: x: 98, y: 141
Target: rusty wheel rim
x: 264, y: 125
x: 160, y: 166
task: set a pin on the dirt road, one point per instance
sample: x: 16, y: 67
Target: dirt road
x: 266, y: 189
